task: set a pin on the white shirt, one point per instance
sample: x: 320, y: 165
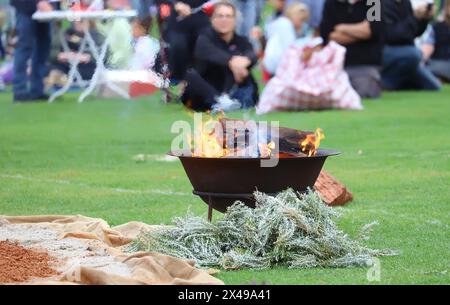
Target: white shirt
x: 281, y: 35
x: 145, y: 51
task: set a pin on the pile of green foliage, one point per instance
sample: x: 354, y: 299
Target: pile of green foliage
x: 291, y: 229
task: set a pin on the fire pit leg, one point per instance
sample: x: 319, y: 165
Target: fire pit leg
x: 210, y: 209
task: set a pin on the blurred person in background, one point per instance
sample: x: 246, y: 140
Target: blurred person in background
x: 3, y: 18
x: 402, y: 60
x: 308, y: 29
x: 436, y: 46
x: 222, y: 78
x: 181, y: 33
x: 258, y: 35
x: 60, y: 62
x: 316, y: 8
x: 284, y: 31
x: 278, y: 7
x: 260, y: 8
x: 142, y: 7
x: 247, y: 17
x: 145, y: 48
x: 33, y: 43
x: 2, y: 46
x: 7, y: 22
x: 346, y: 23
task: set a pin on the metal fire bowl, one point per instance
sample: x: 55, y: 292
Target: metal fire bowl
x: 222, y: 181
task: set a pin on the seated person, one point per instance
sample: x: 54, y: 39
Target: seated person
x: 182, y: 28
x: 402, y: 60
x: 316, y: 13
x: 61, y: 62
x: 346, y: 23
x: 223, y: 66
x: 283, y: 33
x: 436, y: 46
x: 145, y: 48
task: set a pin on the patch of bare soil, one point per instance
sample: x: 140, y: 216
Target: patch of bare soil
x: 19, y: 264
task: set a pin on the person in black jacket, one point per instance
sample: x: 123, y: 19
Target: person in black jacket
x: 181, y: 32
x: 347, y: 24
x: 436, y: 47
x: 33, y: 43
x: 402, y: 61
x: 223, y: 63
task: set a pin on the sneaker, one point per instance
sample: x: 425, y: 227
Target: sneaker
x: 226, y: 104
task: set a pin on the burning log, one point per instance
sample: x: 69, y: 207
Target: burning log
x: 291, y: 141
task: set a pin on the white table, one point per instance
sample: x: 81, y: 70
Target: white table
x: 88, y: 43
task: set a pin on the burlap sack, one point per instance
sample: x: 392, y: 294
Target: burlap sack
x: 146, y: 268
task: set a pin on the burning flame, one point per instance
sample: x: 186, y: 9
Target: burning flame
x: 211, y: 141
x: 312, y: 142
x: 266, y: 149
x: 206, y: 141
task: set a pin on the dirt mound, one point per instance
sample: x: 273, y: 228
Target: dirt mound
x: 19, y: 265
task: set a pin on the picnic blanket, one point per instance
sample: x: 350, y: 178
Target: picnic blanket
x: 144, y: 268
x: 318, y: 83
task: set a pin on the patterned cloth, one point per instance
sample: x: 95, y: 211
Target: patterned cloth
x: 320, y: 83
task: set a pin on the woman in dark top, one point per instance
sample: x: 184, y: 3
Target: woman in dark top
x: 223, y: 63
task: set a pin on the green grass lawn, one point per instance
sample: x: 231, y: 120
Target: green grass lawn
x: 70, y: 158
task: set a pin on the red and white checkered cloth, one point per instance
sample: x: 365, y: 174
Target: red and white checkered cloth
x: 320, y: 83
